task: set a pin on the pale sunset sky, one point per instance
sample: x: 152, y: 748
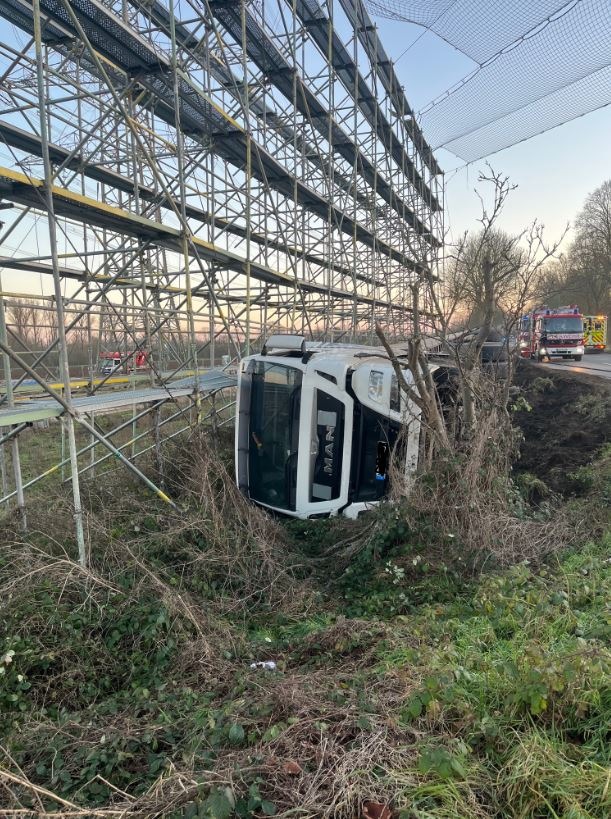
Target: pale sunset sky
x: 554, y: 171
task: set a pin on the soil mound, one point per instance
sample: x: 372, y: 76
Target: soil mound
x: 567, y: 426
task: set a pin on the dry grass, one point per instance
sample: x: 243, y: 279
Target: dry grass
x: 324, y: 735
x: 323, y: 764
x: 467, y: 498
x: 239, y: 543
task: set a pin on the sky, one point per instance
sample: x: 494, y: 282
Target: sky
x: 554, y: 171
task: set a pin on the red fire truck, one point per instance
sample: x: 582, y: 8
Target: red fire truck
x: 549, y: 333
x: 111, y: 362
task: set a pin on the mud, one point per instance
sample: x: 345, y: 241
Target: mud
x: 569, y: 423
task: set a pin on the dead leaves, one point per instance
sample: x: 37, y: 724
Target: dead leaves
x: 291, y: 767
x: 376, y: 810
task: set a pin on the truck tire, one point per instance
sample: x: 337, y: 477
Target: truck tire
x: 576, y: 358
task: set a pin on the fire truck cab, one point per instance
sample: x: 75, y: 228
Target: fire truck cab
x: 552, y: 333
x: 316, y: 424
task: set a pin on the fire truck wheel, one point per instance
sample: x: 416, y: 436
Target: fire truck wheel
x: 576, y: 358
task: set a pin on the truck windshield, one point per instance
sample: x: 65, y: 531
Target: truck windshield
x: 274, y: 434
x: 563, y: 324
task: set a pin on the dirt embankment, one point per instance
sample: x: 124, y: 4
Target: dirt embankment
x: 568, y: 424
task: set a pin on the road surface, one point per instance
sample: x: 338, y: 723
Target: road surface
x: 598, y: 364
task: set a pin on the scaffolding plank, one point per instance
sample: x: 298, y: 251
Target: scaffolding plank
x: 272, y: 64
x: 314, y: 17
x: 31, y: 143
x: 368, y: 35
x: 18, y: 187
x: 160, y: 15
x: 199, y: 115
x: 45, y: 408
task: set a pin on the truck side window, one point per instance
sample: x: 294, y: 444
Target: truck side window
x: 374, y: 438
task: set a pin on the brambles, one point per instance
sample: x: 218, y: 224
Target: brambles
x: 582, y: 480
x: 533, y: 489
x: 445, y: 712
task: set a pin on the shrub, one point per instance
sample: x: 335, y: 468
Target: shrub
x: 591, y: 406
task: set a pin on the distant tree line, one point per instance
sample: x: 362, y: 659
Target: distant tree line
x: 493, y: 272
x: 32, y: 327
x: 583, y: 275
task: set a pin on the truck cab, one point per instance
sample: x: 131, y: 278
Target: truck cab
x: 552, y: 333
x: 110, y: 366
x: 316, y: 425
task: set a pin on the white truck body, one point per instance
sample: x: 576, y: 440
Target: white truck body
x: 316, y: 425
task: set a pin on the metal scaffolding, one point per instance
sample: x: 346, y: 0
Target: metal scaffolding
x: 178, y: 179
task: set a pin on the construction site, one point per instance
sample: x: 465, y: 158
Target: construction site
x: 194, y: 176
x: 305, y: 474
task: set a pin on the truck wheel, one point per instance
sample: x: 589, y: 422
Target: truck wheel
x: 576, y: 358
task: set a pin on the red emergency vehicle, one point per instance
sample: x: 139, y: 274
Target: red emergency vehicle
x: 111, y: 362
x: 552, y: 332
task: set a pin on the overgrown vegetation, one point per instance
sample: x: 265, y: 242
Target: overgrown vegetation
x: 565, y: 423
x: 445, y: 657
x: 413, y: 674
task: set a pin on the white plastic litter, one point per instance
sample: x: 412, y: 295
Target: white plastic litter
x: 265, y: 665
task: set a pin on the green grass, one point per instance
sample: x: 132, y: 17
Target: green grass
x: 496, y: 702
x: 403, y: 677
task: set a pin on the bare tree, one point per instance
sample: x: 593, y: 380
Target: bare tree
x: 34, y: 325
x: 489, y: 279
x: 583, y: 275
x: 470, y: 268
x: 470, y: 443
x: 590, y: 254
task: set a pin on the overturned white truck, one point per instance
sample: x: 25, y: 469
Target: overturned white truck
x: 316, y: 425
